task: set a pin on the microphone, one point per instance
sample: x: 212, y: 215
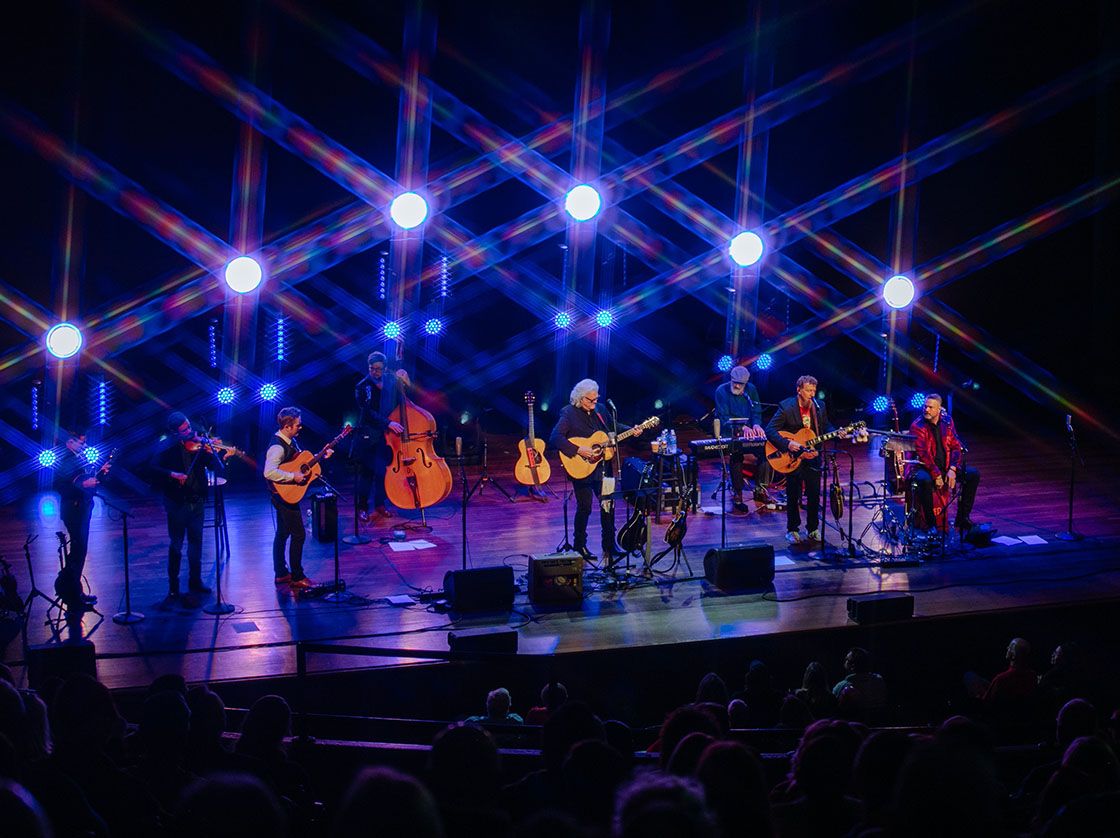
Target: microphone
x: 1069, y: 423
x: 715, y: 426
x: 610, y: 404
x: 458, y: 446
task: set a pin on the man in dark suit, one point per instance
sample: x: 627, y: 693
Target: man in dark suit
x: 795, y: 413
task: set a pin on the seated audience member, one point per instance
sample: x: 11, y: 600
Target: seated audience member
x: 230, y: 805
x: 1068, y: 677
x: 592, y: 774
x: 1076, y: 719
x: 397, y: 803
x: 795, y: 714
x: 20, y: 812
x: 761, y: 699
x: 206, y: 751
x: 662, y: 805
x: 677, y: 725
x: 816, y: 801
x: 465, y: 772
x: 1089, y: 766
x: 735, y: 788
x: 164, y: 728
x: 712, y: 690
x: 815, y: 692
x: 877, y: 766
x: 686, y: 756
x: 944, y: 789
x: 861, y: 693
x: 263, y: 752
x: 553, y: 694
x: 497, y: 710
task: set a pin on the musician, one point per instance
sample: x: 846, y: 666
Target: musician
x: 801, y: 411
x: 75, y: 487
x: 738, y: 399
x: 180, y: 463
x: 283, y: 448
x: 942, y: 456
x: 369, y: 449
x: 582, y: 417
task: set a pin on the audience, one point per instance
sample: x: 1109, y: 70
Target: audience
x: 815, y: 692
x: 497, y: 710
x: 861, y: 694
x: 553, y: 695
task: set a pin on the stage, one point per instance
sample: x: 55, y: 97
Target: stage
x: 1023, y: 493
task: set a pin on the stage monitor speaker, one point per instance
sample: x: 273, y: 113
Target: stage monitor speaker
x: 480, y: 589
x: 324, y: 517
x: 740, y: 567
x: 884, y: 607
x: 499, y: 639
x: 556, y: 578
x: 59, y: 660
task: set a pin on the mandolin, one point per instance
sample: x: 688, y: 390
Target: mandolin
x: 579, y: 467
x: 531, y: 468
x: 786, y: 461
x: 305, y: 463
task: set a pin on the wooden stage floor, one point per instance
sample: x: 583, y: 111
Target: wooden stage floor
x: 1022, y: 493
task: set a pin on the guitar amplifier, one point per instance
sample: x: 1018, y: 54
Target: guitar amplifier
x: 324, y: 517
x: 556, y: 578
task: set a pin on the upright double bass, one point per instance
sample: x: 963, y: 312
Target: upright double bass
x: 417, y: 477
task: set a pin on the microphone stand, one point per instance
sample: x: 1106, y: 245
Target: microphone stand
x: 607, y: 505
x: 339, y: 592
x: 128, y: 616
x: 468, y: 492
x: 1069, y: 533
x: 358, y: 537
x: 722, y: 489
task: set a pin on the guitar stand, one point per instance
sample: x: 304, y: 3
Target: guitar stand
x: 565, y: 546
x: 53, y: 603
x: 484, y: 477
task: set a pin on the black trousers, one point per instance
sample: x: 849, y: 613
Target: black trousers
x: 76, y: 518
x: 586, y: 491
x: 289, y: 524
x: 763, y: 473
x: 372, y: 465
x: 968, y: 480
x: 184, y: 520
x: 807, y: 476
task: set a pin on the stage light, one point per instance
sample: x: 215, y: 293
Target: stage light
x: 724, y: 363
x: 582, y: 202
x: 64, y: 340
x: 562, y: 320
x: 764, y: 361
x: 269, y: 392
x: 225, y: 395
x: 47, y: 507
x: 212, y: 336
x: 34, y: 405
x: 102, y: 402
x: 658, y: 404
x: 91, y: 454
x: 47, y: 458
x: 604, y: 318
x: 918, y: 401
x: 281, y: 337
x: 391, y: 330
x: 408, y: 210
x: 898, y: 291
x: 745, y: 249
x: 243, y: 274
x: 434, y: 326
x: 880, y: 404
x: 464, y: 418
x: 544, y: 407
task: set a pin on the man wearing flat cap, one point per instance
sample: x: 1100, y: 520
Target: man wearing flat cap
x: 738, y: 399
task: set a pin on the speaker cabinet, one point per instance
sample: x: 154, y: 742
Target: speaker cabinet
x: 324, y: 517
x: 556, y: 578
x: 885, y: 607
x: 59, y: 660
x: 740, y: 567
x: 480, y: 589
x: 500, y: 639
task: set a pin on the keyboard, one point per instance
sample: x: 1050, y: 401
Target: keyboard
x: 733, y: 445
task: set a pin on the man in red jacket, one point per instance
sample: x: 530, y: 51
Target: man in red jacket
x: 942, y: 458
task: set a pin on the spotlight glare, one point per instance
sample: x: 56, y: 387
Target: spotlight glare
x: 562, y: 320
x: 764, y: 361
x: 583, y: 202
x: 391, y: 330
x: 269, y: 392
x: 464, y: 418
x: 434, y: 326
x: 243, y: 274
x: 724, y: 363
x: 918, y: 401
x: 658, y: 404
x: 880, y: 404
x: 898, y: 291
x: 408, y: 210
x: 604, y: 318
x: 91, y: 454
x: 47, y: 458
x: 225, y: 395
x: 64, y: 340
x: 746, y: 249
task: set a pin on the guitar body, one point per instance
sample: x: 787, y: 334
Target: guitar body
x: 417, y: 477
x: 579, y: 467
x: 531, y: 469
x: 784, y: 462
x: 294, y: 492
x: 633, y: 533
x: 677, y: 529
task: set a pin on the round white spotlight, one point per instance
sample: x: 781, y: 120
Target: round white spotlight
x: 583, y: 202
x: 746, y: 249
x: 64, y: 340
x: 898, y: 291
x: 408, y: 210
x: 243, y: 274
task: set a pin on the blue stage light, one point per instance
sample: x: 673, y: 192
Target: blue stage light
x: 391, y: 330
x: 562, y: 320
x: 281, y: 338
x: 47, y: 458
x: 102, y: 402
x: 47, y: 507
x: 604, y: 318
x: 880, y: 404
x: 464, y: 418
x: 212, y: 337
x: 745, y: 249
x: 408, y: 210
x: 91, y: 454
x: 434, y: 326
x: 269, y: 392
x: 226, y: 395
x: 918, y: 401
x: 658, y: 404
x: 898, y: 291
x: 724, y: 363
x: 64, y: 340
x: 243, y: 274
x: 764, y: 361
x: 583, y: 202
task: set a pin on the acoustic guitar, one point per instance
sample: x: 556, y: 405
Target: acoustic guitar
x: 785, y: 462
x: 305, y: 463
x: 579, y: 467
x: 531, y: 468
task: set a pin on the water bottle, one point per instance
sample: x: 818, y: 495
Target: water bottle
x: 673, y: 443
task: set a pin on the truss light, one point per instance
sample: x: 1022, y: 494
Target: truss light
x: 408, y: 210
x: 583, y: 202
x: 562, y: 320
x: 764, y: 361
x: 226, y: 395
x: 243, y: 274
x: 91, y: 454
x: 47, y: 458
x: 391, y: 330
x: 918, y: 401
x: 880, y: 404
x: 658, y: 404
x: 604, y: 318
x: 64, y: 340
x: 433, y: 326
x: 269, y: 392
x: 724, y: 363
x: 898, y: 291
x: 746, y: 249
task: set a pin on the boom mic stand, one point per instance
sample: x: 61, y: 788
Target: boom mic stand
x: 358, y: 537
x: 339, y: 594
x: 1069, y: 533
x: 485, y: 477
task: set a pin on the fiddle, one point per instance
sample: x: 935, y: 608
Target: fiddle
x: 212, y: 445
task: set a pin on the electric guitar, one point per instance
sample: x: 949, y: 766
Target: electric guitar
x: 531, y: 468
x: 308, y: 464
x: 786, y: 461
x: 579, y: 467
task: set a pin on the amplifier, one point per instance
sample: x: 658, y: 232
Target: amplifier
x: 556, y: 578
x: 884, y: 607
x: 324, y: 517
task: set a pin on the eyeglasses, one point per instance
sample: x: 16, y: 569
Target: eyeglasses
x: 591, y: 399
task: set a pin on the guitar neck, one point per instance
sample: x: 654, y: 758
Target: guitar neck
x: 323, y: 451
x: 826, y: 437
x: 532, y: 432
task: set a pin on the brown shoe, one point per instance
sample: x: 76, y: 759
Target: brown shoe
x: 302, y: 584
x: 284, y: 580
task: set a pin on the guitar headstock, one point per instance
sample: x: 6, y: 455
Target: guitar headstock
x: 651, y: 422
x: 530, y: 399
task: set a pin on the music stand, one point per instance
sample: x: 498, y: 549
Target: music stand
x: 127, y: 617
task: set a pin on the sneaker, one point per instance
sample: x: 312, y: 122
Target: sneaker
x: 363, y: 516
x: 302, y: 584
x: 793, y: 537
x: 284, y: 579
x: 814, y: 535
x: 383, y: 512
